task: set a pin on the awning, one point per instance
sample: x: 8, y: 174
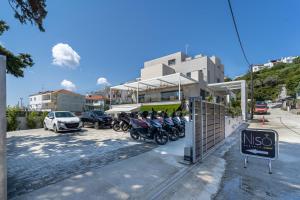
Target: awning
x: 124, y: 108
x: 157, y: 82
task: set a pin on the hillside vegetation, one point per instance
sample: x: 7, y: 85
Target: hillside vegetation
x: 267, y: 82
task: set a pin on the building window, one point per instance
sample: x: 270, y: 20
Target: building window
x: 172, y: 62
x: 188, y: 74
x: 34, y: 99
x: 208, y: 76
x: 203, y: 94
x: 142, y: 98
x: 218, y: 80
x: 170, y: 96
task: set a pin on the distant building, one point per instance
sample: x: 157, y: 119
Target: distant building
x: 283, y: 92
x: 58, y: 100
x: 271, y: 63
x: 94, y: 102
x: 258, y: 67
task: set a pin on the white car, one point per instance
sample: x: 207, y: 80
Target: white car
x: 62, y: 121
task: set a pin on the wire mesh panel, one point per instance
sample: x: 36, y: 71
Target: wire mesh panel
x: 209, y: 127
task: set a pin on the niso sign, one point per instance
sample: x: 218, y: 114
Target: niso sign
x: 259, y: 143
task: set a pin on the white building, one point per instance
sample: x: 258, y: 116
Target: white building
x: 271, y: 63
x: 173, y: 79
x: 94, y: 102
x: 59, y: 100
x: 258, y: 67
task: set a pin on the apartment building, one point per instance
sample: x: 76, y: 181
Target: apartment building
x: 172, y: 78
x: 199, y: 67
x: 58, y: 100
x: 94, y: 102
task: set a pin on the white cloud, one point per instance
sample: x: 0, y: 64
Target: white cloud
x: 68, y: 85
x: 64, y: 55
x: 102, y: 81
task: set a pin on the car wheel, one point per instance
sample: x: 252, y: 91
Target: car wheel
x: 96, y: 125
x: 45, y: 127
x: 55, y: 128
x: 82, y: 124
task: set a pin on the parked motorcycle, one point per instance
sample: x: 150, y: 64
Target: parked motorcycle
x: 124, y: 121
x: 148, y: 129
x: 178, y: 124
x: 116, y: 124
x: 169, y: 127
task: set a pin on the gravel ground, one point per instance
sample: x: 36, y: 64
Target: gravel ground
x: 37, y: 158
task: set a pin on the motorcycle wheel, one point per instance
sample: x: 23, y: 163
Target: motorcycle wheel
x: 182, y: 133
x: 116, y: 127
x: 174, y: 135
x: 125, y: 127
x: 161, y: 138
x: 134, y: 135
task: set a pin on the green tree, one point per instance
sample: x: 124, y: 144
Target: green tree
x: 12, y: 113
x: 227, y: 79
x: 26, y: 11
x: 297, y: 60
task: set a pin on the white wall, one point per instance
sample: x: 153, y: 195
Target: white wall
x: 231, y: 124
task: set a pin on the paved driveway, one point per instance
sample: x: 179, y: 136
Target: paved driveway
x: 37, y: 158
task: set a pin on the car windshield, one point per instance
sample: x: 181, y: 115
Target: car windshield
x: 261, y: 106
x: 98, y: 113
x: 64, y: 114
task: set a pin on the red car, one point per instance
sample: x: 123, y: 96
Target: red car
x: 261, y: 109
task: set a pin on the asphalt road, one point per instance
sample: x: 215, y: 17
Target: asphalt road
x: 255, y: 182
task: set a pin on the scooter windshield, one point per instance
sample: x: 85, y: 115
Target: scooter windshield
x: 156, y: 123
x: 169, y: 121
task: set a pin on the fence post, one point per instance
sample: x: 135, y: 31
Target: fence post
x: 205, y: 127
x: 194, y: 130
x: 3, y: 173
x: 201, y: 112
x: 214, y: 124
x: 220, y: 124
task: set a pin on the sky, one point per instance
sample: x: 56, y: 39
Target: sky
x: 92, y: 43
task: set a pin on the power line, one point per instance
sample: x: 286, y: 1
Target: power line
x: 237, y: 33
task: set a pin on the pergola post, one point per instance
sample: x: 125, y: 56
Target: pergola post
x: 244, y: 99
x: 3, y: 172
x: 110, y: 97
x: 137, y: 93
x: 179, y: 85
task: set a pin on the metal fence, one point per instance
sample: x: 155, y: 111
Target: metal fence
x: 208, y: 127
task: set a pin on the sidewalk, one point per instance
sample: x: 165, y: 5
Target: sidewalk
x: 156, y: 174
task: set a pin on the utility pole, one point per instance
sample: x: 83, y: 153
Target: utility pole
x: 252, y: 90
x: 186, y: 49
x: 21, y: 99
x: 3, y: 172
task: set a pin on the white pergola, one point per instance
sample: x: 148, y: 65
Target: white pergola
x: 177, y: 79
x: 232, y: 86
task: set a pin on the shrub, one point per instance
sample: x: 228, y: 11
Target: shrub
x: 11, y: 114
x: 32, y: 118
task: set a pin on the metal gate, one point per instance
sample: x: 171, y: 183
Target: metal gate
x: 208, y: 127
